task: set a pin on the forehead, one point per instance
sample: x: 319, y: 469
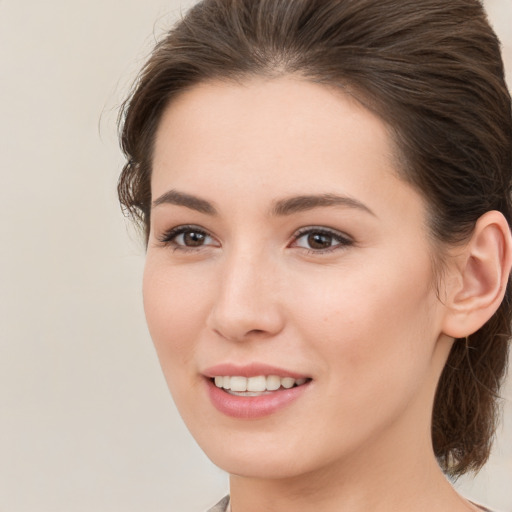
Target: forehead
x: 289, y: 101
x: 273, y: 117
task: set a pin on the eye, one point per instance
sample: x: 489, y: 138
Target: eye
x: 191, y: 239
x: 320, y: 240
x: 188, y: 238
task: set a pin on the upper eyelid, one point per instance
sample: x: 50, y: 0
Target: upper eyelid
x: 322, y: 229
x: 343, y: 240
x: 171, y: 233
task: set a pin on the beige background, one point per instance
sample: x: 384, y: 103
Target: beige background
x: 86, y: 423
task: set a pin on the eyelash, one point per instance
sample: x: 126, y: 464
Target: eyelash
x: 169, y: 239
x: 342, y: 240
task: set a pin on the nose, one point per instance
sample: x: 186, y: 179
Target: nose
x: 247, y: 305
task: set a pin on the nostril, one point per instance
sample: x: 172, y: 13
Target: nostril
x: 243, y: 320
x: 253, y: 333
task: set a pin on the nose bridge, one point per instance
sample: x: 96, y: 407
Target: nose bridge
x: 247, y: 302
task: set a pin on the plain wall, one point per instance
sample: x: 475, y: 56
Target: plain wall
x: 87, y: 423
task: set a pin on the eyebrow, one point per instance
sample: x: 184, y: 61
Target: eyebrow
x: 187, y: 200
x: 308, y: 202
x: 282, y: 207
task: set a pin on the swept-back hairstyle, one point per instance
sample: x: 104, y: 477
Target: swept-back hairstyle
x: 432, y: 71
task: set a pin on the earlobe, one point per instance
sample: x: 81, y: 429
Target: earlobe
x: 484, y: 266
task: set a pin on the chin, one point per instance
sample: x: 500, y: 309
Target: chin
x: 258, y: 465
x: 267, y: 455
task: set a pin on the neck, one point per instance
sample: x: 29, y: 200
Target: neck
x: 409, y: 480
x: 333, y: 490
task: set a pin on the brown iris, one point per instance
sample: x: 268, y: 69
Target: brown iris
x: 193, y: 238
x: 319, y: 240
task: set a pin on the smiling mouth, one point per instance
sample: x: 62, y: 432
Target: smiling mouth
x: 256, y: 386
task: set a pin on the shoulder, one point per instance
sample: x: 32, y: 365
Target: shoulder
x: 222, y: 506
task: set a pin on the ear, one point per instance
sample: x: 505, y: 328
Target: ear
x: 481, y: 275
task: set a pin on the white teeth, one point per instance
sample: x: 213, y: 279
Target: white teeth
x: 273, y: 382
x: 287, y: 382
x: 238, y: 384
x: 258, y: 384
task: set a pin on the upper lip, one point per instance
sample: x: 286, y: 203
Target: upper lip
x: 250, y: 370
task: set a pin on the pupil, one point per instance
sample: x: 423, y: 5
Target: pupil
x: 193, y: 239
x: 319, y: 241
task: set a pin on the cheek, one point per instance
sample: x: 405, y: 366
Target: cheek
x: 173, y: 313
x: 372, y: 322
x: 375, y: 336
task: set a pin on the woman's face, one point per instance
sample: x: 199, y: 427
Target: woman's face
x: 285, y: 251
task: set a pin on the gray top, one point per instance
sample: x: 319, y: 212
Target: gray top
x: 223, y: 506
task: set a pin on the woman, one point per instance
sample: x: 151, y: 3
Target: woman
x: 324, y: 189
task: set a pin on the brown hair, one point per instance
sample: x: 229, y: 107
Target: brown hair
x: 432, y: 70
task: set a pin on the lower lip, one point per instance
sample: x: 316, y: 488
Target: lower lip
x: 253, y: 407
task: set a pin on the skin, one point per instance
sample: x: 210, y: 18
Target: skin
x: 361, y: 318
